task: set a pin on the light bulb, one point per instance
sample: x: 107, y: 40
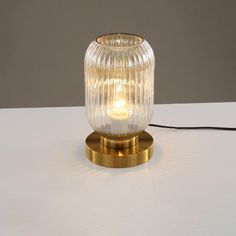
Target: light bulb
x: 119, y: 110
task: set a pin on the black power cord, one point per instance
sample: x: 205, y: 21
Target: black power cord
x: 194, y: 127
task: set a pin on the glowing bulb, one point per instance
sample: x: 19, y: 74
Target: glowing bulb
x: 120, y: 104
x: 119, y: 110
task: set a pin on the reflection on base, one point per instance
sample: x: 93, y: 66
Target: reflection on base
x: 118, y: 157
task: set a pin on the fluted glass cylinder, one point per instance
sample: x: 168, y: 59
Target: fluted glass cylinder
x: 119, y: 84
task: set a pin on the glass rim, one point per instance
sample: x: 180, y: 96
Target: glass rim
x: 140, y: 39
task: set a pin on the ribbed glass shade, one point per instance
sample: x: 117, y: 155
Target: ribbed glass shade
x: 119, y: 84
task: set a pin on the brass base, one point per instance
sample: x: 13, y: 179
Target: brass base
x: 119, y: 153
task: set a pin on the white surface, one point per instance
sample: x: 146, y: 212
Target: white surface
x: 48, y: 187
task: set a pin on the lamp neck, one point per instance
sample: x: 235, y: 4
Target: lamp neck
x: 120, y: 143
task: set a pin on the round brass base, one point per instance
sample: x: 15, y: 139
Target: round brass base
x: 102, y: 155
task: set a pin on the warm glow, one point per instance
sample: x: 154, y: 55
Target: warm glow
x: 120, y: 105
x: 119, y: 110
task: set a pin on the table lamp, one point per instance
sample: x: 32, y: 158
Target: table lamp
x: 119, y: 93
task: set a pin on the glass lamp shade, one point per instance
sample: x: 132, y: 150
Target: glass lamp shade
x: 119, y: 85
